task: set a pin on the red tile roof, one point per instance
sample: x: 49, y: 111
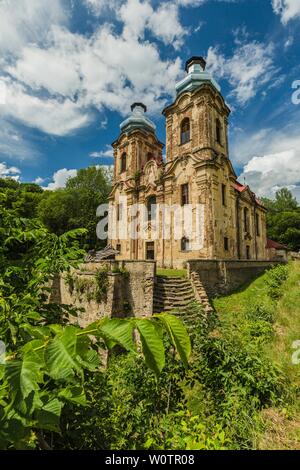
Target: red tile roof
x: 239, y: 187
x: 242, y: 187
x: 276, y: 245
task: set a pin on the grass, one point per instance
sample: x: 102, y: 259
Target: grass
x: 171, y: 272
x: 271, y: 326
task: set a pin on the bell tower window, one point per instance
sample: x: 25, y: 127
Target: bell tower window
x: 123, y: 162
x: 185, y: 131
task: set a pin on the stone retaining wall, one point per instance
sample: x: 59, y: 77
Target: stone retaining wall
x: 129, y: 292
x: 222, y: 277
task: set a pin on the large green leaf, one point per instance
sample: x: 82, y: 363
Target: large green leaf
x: 152, y: 344
x: 61, y: 354
x: 25, y: 375
x: 87, y: 357
x: 74, y: 394
x: 49, y: 416
x: 117, y: 331
x: 178, y: 335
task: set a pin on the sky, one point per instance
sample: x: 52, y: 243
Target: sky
x: 70, y: 69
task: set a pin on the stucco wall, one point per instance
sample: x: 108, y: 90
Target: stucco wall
x: 221, y: 277
x: 129, y: 293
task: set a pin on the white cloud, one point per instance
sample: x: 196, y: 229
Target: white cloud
x: 107, y: 153
x: 41, y: 68
x: 287, y: 9
x: 271, y: 172
x: 55, y: 85
x: 51, y: 115
x: 163, y: 22
x: 28, y: 21
x: 165, y: 25
x: 39, y: 180
x: 135, y: 15
x: 60, y: 179
x: 247, y: 70
x: 97, y: 7
x: 273, y: 160
x: 9, y: 171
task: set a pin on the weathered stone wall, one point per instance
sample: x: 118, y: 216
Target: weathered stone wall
x: 129, y: 293
x: 294, y: 255
x: 222, y: 277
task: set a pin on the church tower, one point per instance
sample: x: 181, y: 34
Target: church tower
x: 136, y: 145
x: 196, y: 123
x: 138, y: 158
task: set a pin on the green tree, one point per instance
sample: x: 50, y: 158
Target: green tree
x: 283, y: 219
x: 23, y: 198
x: 76, y: 205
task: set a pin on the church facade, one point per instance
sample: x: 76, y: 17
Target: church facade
x: 189, y: 205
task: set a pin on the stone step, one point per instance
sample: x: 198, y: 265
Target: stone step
x: 162, y: 291
x: 172, y: 282
x: 163, y: 287
x: 174, y: 295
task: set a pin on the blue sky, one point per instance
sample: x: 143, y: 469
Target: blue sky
x: 69, y: 70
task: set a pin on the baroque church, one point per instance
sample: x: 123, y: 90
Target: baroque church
x: 196, y: 173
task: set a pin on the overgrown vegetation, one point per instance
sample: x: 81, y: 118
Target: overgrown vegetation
x: 221, y: 402
x: 92, y: 288
x: 265, y: 318
x: 48, y: 362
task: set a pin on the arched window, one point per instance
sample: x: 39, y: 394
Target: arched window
x: 123, y: 162
x: 185, y: 244
x: 185, y: 131
x: 218, y: 131
x: 151, y: 208
x: 150, y: 156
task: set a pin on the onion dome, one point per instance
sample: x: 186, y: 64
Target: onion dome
x: 196, y: 76
x: 137, y: 119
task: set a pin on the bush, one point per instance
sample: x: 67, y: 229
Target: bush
x: 185, y: 431
x: 215, y: 404
x: 261, y: 312
x: 274, y: 279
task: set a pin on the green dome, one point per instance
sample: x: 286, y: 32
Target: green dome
x: 137, y: 119
x: 196, y: 76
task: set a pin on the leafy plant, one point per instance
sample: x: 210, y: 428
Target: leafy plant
x: 275, y: 278
x: 102, y: 284
x: 47, y: 359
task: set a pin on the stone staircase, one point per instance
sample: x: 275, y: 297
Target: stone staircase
x: 200, y: 292
x: 173, y: 293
